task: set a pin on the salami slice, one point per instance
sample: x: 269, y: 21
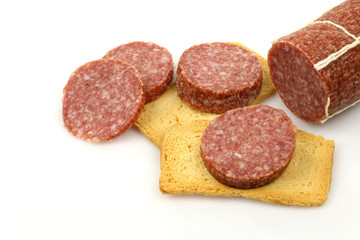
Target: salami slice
x: 216, y: 77
x: 315, y: 70
x: 248, y: 147
x: 154, y: 63
x: 102, y: 99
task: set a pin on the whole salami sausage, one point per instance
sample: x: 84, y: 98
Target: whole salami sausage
x: 248, y: 147
x: 102, y: 99
x: 315, y: 70
x: 154, y: 63
x: 216, y: 77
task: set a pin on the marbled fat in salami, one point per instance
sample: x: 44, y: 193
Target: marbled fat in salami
x: 315, y: 70
x: 216, y: 77
x: 102, y: 99
x: 248, y: 147
x: 154, y: 63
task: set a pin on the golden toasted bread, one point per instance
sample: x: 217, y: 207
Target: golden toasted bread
x: 305, y: 182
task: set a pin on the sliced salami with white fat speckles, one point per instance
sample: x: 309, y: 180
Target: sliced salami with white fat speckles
x: 102, y: 99
x: 248, y: 147
x: 216, y: 77
x: 154, y: 63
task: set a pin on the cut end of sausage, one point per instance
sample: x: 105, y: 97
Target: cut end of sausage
x: 248, y: 147
x: 102, y: 99
x: 217, y: 77
x: 297, y: 82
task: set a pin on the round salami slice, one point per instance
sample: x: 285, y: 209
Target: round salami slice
x: 154, y: 63
x: 102, y: 99
x: 216, y: 77
x: 315, y: 70
x: 248, y: 147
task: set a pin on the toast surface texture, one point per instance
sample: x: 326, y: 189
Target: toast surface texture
x: 168, y: 110
x: 305, y: 182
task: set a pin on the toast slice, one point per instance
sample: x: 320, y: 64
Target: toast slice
x: 168, y: 110
x: 305, y: 182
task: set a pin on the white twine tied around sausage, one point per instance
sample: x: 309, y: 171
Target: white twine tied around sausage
x: 332, y: 57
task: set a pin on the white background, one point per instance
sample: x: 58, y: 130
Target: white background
x: 55, y: 186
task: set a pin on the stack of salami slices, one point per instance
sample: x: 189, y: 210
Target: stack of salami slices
x: 103, y: 98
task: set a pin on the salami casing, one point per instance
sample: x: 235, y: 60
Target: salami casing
x: 102, y: 99
x: 248, y: 147
x: 315, y: 70
x: 216, y: 77
x: 154, y: 63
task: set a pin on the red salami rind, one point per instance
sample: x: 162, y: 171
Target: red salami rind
x: 102, y: 99
x: 248, y: 147
x: 154, y: 63
x: 216, y: 77
x: 311, y: 91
